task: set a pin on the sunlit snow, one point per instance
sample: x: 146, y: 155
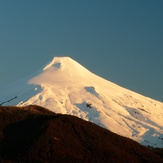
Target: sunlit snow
x: 64, y: 86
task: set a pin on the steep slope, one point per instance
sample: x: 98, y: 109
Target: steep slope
x: 34, y: 134
x: 64, y: 86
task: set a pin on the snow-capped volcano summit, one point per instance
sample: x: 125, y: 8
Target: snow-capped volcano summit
x: 64, y: 86
x: 62, y: 69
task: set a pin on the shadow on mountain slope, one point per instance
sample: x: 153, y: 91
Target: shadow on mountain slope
x: 34, y: 134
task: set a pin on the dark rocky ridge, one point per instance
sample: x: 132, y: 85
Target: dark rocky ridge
x: 34, y: 134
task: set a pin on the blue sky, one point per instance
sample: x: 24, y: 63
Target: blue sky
x: 122, y: 41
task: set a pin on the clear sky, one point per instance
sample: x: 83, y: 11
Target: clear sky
x: 120, y: 40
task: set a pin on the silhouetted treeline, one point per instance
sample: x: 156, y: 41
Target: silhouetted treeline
x: 34, y: 134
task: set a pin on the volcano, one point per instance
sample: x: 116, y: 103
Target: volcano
x: 65, y: 86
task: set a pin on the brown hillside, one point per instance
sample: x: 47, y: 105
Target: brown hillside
x: 34, y: 134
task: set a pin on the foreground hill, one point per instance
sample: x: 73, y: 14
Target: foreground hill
x: 34, y: 134
x: 64, y: 86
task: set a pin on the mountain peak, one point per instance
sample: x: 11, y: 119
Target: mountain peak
x: 68, y: 67
x: 62, y: 71
x: 57, y: 62
x: 65, y: 86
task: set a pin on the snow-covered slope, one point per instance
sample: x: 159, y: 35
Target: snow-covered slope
x: 64, y: 86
